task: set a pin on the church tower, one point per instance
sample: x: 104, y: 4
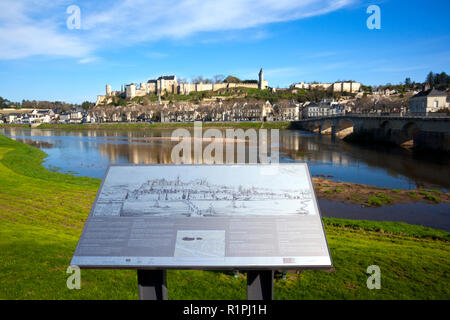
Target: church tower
x: 261, y: 79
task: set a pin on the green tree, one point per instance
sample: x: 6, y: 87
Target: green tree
x: 430, y: 78
x: 232, y: 79
x: 4, y: 103
x: 117, y: 101
x: 87, y: 105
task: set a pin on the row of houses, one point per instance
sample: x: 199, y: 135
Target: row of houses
x: 176, y: 112
x: 283, y: 111
x: 212, y: 111
x: 426, y: 101
x: 326, y: 108
x: 38, y: 116
x: 218, y: 111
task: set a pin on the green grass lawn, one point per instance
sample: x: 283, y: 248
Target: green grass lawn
x: 42, y: 214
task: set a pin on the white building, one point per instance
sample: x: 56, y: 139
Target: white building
x: 430, y: 100
x: 310, y: 110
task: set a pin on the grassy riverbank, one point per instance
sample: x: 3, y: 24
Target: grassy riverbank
x: 155, y: 125
x: 371, y: 196
x: 42, y: 214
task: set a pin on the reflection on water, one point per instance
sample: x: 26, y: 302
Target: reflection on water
x: 429, y: 215
x: 385, y: 166
x: 89, y: 152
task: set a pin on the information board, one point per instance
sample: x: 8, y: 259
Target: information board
x: 204, y: 217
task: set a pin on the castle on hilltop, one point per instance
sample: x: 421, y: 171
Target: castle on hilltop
x: 171, y: 85
x: 338, y: 86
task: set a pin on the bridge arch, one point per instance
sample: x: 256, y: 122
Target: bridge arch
x: 409, y: 129
x: 315, y: 126
x: 385, y: 124
x: 326, y: 126
x: 386, y: 128
x: 429, y: 133
x: 345, y: 127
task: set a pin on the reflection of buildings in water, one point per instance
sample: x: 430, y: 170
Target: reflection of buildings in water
x: 137, y: 148
x: 290, y: 142
x: 142, y: 149
x: 137, y: 152
x: 134, y: 147
x: 37, y: 143
x: 151, y: 153
x: 394, y: 161
x: 307, y: 149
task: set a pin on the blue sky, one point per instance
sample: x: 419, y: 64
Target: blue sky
x: 131, y: 41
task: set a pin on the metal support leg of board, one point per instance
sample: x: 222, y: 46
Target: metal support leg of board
x: 260, y: 285
x: 152, y: 284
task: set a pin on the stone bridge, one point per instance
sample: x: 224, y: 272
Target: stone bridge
x: 420, y: 131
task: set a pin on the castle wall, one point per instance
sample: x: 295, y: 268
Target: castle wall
x: 320, y: 85
x: 346, y: 86
x: 218, y: 86
x: 151, y: 87
x: 243, y: 85
x: 169, y: 84
x: 204, y: 87
x: 337, y: 86
x: 301, y: 85
x: 100, y: 99
x: 356, y: 86
x: 130, y: 91
x: 265, y: 85
x: 141, y: 92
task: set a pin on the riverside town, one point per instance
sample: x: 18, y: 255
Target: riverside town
x: 225, y: 155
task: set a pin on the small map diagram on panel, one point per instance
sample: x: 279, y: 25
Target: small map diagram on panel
x: 200, y: 243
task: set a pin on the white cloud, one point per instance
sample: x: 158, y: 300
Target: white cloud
x: 153, y: 20
x: 24, y: 41
x: 88, y: 60
x: 29, y: 28
x: 23, y: 35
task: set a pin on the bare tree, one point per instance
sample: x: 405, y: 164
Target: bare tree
x: 197, y: 80
x: 386, y: 104
x: 365, y: 104
x: 218, y: 78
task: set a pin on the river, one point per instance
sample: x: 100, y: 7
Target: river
x: 89, y: 152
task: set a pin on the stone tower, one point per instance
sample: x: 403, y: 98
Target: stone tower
x: 130, y: 91
x: 108, y: 90
x: 261, y: 79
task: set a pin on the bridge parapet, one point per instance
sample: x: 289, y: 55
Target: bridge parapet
x: 421, y: 131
